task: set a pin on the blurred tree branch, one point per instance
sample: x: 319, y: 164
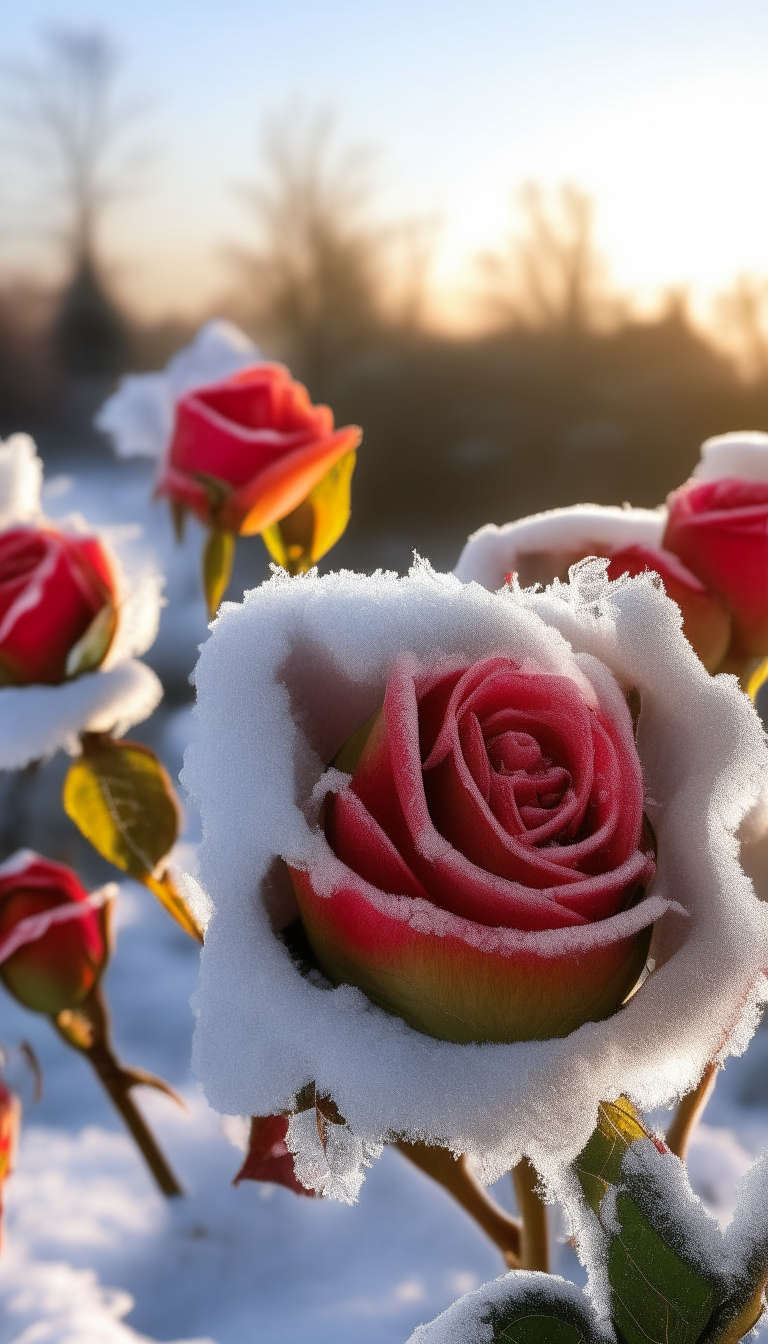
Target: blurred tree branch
x: 321, y: 281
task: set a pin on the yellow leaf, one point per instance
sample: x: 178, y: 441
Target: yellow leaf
x: 91, y: 648
x: 218, y: 558
x: 306, y: 534
x: 122, y: 799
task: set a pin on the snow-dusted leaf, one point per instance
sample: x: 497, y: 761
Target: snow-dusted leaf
x: 660, y: 1252
x: 524, y: 1307
x: 268, y: 1157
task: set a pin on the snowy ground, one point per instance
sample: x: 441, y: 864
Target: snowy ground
x: 92, y: 1255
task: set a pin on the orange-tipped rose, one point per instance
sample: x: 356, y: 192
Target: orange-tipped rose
x: 247, y: 451
x: 54, y: 940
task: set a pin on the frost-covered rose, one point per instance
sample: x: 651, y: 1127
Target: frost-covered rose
x: 247, y: 450
x: 543, y: 547
x: 718, y: 526
x: 57, y: 605
x: 54, y: 940
x: 72, y: 618
x: 495, y: 796
x: 284, y: 680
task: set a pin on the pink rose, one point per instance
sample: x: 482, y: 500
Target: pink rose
x: 501, y: 795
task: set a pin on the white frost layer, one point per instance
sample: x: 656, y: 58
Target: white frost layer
x: 21, y: 479
x: 492, y: 552
x: 742, y: 453
x: 283, y: 680
x: 470, y: 1320
x: 36, y: 721
x: 139, y: 415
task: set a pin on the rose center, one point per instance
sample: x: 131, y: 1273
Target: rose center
x: 537, y: 781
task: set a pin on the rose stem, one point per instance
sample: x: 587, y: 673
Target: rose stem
x: 535, y: 1243
x: 457, y: 1177
x: 113, y: 1079
x: 689, y: 1112
x: 86, y: 1029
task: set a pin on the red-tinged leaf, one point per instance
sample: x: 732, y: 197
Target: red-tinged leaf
x: 268, y: 1158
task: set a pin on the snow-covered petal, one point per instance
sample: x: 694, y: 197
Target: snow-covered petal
x: 284, y: 679
x: 547, y: 544
x: 742, y: 453
x: 21, y: 479
x: 36, y: 721
x: 139, y: 415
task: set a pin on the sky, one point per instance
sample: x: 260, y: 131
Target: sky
x: 658, y: 110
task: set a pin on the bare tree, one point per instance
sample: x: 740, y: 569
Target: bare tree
x: 66, y: 144
x: 316, y: 285
x: 66, y: 155
x: 741, y: 325
x: 550, y: 275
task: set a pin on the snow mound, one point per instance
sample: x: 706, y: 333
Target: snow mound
x: 21, y: 479
x: 36, y: 721
x: 284, y: 679
x: 742, y: 453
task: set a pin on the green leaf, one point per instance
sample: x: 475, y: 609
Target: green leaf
x: 218, y: 558
x: 599, y: 1164
x: 306, y: 534
x: 656, y: 1296
x: 523, y: 1307
x: 122, y: 800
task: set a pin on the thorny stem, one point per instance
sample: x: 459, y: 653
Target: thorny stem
x: 86, y: 1029
x: 535, y: 1242
x: 689, y: 1112
x: 457, y: 1177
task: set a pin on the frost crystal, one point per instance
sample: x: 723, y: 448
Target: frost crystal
x: 284, y: 679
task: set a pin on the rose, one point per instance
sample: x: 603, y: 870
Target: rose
x: 718, y: 526
x: 543, y: 547
x: 284, y: 680
x: 510, y: 800
x: 73, y: 617
x: 57, y: 605
x: 54, y: 938
x: 248, y: 450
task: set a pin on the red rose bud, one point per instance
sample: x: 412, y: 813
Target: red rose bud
x: 10, y: 1125
x: 54, y: 940
x: 57, y: 597
x: 490, y: 838
x: 720, y: 531
x: 248, y: 450
x: 706, y: 621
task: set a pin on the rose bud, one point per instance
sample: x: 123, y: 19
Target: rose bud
x: 54, y: 937
x: 718, y: 526
x: 57, y: 605
x: 706, y: 621
x: 248, y: 450
x: 504, y: 798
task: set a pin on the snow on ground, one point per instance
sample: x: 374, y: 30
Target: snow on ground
x: 93, y: 1255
